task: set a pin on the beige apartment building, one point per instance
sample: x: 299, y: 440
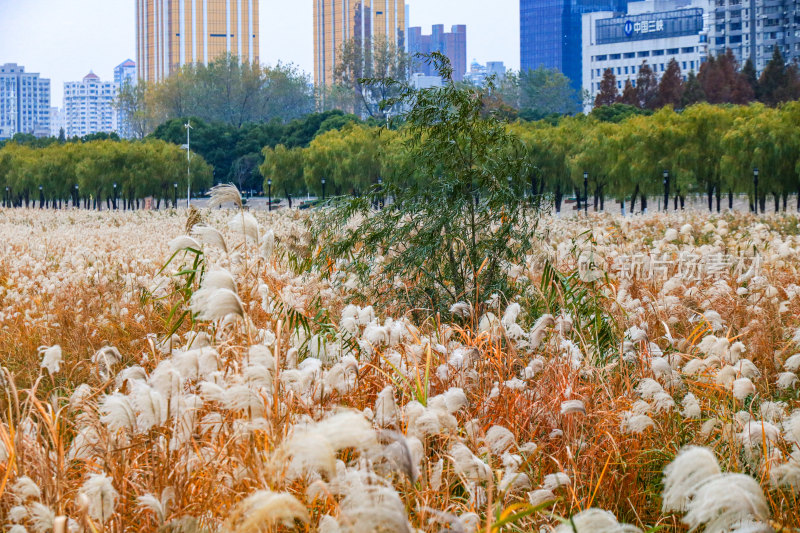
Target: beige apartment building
x: 338, y: 21
x: 174, y: 33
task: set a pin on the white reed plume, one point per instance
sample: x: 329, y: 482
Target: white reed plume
x: 691, y: 407
x: 24, y: 488
x: 792, y: 427
x: 792, y: 364
x: 386, y: 411
x: 210, y: 235
x: 101, y: 496
x: 572, y: 406
x: 554, y: 481
x: 150, y: 405
x: 374, y: 507
x: 595, y: 521
x: 266, y: 509
x: 723, y: 501
x: 224, y: 193
x: 105, y: 359
x: 787, y: 380
x: 465, y: 463
x: 117, y: 412
x: 17, y: 528
x: 268, y: 245
x: 182, y: 243
x: 313, y: 448
x: 51, y: 358
x: 635, y: 423
x: 499, y: 439
x: 540, y: 496
x: 42, y: 518
x: 462, y: 309
x: 17, y: 514
x: 246, y: 224
x: 159, y: 506
x: 217, y: 305
x: 692, y: 466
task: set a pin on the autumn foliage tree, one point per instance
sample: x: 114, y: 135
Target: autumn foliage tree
x: 608, y: 94
x: 670, y: 88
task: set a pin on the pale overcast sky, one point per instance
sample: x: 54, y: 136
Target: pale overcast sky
x: 65, y: 39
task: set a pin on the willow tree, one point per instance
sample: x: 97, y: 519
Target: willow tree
x: 450, y: 236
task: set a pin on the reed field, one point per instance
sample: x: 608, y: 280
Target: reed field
x: 203, y: 371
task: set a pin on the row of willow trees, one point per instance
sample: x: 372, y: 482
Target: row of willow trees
x: 121, y: 174
x: 704, y: 149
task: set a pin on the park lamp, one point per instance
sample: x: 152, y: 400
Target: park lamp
x: 585, y: 192
x: 666, y: 175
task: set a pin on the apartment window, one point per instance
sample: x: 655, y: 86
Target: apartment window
x: 626, y: 70
x: 662, y: 67
x: 645, y: 53
x: 629, y: 55
x: 684, y: 65
x: 615, y: 56
x: 602, y: 57
x: 658, y: 52
x: 672, y: 51
x: 687, y: 50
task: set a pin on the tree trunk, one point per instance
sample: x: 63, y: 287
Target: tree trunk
x: 644, y: 203
x: 675, y: 203
x: 622, y: 206
x: 683, y: 201
x: 633, y: 199
x: 558, y: 197
x: 730, y: 200
x: 596, y: 198
x: 602, y: 200
x: 710, y: 198
x: 719, y: 195
x: 289, y: 197
x: 777, y: 198
x: 763, y: 202
x: 577, y: 198
x: 785, y: 199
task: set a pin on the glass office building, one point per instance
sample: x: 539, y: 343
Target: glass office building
x: 551, y: 33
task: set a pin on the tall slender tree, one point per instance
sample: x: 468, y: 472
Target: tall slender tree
x: 608, y: 94
x: 670, y: 88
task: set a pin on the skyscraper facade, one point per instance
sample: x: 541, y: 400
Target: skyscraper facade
x: 124, y: 74
x: 452, y: 44
x: 174, y: 33
x: 339, y: 21
x: 89, y: 106
x: 753, y: 28
x: 551, y: 33
x: 24, y: 102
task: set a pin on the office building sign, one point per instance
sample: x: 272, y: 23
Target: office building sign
x: 644, y: 26
x: 650, y: 26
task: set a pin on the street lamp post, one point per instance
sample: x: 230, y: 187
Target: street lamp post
x: 755, y: 189
x: 585, y: 192
x: 77, y: 197
x: 114, y: 202
x: 323, y: 189
x: 41, y: 197
x: 7, y: 199
x: 666, y: 190
x: 269, y: 194
x: 175, y: 195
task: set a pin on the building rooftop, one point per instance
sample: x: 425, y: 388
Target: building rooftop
x: 91, y: 76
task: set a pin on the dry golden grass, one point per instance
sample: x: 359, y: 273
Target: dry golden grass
x: 222, y: 447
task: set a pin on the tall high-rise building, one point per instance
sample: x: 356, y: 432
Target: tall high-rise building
x: 753, y: 28
x: 124, y: 74
x: 174, y: 33
x: 339, y: 21
x: 452, y: 44
x: 89, y: 106
x: 24, y: 102
x: 551, y: 33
